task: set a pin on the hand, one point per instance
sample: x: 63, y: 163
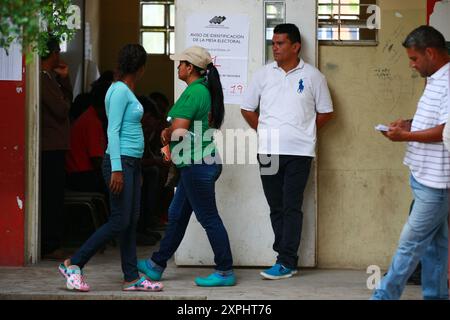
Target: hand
x: 165, y: 136
x: 62, y: 70
x: 116, y: 184
x: 403, y: 124
x: 396, y: 134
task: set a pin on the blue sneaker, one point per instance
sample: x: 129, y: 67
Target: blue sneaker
x: 277, y: 272
x: 216, y: 280
x: 150, y: 272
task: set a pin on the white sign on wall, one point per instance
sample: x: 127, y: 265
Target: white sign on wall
x: 226, y: 39
x: 11, y: 63
x: 439, y: 19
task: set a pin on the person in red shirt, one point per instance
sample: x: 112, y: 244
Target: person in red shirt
x: 88, y: 144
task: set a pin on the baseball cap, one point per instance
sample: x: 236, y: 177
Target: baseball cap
x: 196, y: 55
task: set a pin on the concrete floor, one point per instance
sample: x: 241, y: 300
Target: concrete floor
x: 104, y: 275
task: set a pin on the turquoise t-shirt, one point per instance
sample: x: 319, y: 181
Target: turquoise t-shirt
x: 125, y: 136
x: 194, y: 104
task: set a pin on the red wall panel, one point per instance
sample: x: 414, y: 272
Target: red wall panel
x: 12, y: 172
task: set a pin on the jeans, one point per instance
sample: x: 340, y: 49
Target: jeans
x: 196, y: 192
x: 122, y: 221
x: 424, y: 238
x: 52, y: 199
x: 284, y: 194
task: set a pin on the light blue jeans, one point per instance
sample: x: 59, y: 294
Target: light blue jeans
x: 424, y: 238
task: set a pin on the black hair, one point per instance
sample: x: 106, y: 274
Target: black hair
x: 52, y: 46
x: 425, y: 37
x: 291, y: 30
x: 98, y: 93
x: 149, y: 106
x: 158, y: 96
x: 216, y: 91
x: 80, y: 105
x: 217, y: 104
x: 132, y: 57
x: 107, y: 75
x: 161, y: 101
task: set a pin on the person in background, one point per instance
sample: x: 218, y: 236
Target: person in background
x: 425, y: 235
x: 56, y: 97
x: 201, y: 104
x: 88, y: 144
x: 162, y: 103
x: 168, y: 173
x: 122, y: 172
x: 80, y: 104
x: 151, y: 198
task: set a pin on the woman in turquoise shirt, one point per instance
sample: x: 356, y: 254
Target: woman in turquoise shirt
x: 200, y: 106
x: 122, y: 171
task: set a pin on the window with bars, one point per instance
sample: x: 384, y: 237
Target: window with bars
x: 158, y: 26
x: 346, y: 22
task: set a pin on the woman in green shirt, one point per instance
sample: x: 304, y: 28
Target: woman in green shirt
x: 199, y: 109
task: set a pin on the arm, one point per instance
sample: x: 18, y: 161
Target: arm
x: 322, y: 98
x: 251, y: 101
x: 400, y: 134
x: 178, y: 129
x: 323, y: 118
x: 446, y: 136
x: 95, y: 142
x: 251, y: 117
x: 118, y: 105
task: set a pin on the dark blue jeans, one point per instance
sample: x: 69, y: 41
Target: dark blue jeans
x: 284, y: 194
x: 122, y: 222
x: 196, y: 192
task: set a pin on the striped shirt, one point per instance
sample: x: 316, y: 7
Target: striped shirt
x: 430, y: 162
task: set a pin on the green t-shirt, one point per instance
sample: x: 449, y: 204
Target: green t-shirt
x: 194, y: 104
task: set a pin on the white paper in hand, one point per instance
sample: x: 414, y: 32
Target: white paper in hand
x: 382, y: 127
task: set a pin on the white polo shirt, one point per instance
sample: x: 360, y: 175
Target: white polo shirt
x: 430, y: 162
x: 289, y: 103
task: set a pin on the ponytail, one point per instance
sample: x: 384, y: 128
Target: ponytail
x: 217, y: 104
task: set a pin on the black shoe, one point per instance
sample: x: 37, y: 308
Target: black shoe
x: 145, y: 240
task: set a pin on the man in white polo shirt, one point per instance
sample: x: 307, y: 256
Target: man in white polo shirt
x: 293, y: 100
x: 424, y: 237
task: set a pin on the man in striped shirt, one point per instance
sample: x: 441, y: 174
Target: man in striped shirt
x: 425, y: 236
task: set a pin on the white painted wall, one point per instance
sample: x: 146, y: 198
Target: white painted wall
x: 239, y: 193
x: 440, y: 18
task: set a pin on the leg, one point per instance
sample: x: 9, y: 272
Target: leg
x: 52, y: 199
x: 180, y: 212
x: 199, y: 181
x: 118, y: 220
x: 296, y: 173
x: 273, y: 190
x: 435, y: 265
x: 132, y: 182
x: 423, y: 225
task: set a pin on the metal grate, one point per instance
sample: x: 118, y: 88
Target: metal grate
x: 346, y: 22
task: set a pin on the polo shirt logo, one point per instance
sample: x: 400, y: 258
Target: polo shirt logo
x: 301, y: 86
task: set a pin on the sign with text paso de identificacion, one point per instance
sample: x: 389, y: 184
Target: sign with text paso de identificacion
x: 226, y: 39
